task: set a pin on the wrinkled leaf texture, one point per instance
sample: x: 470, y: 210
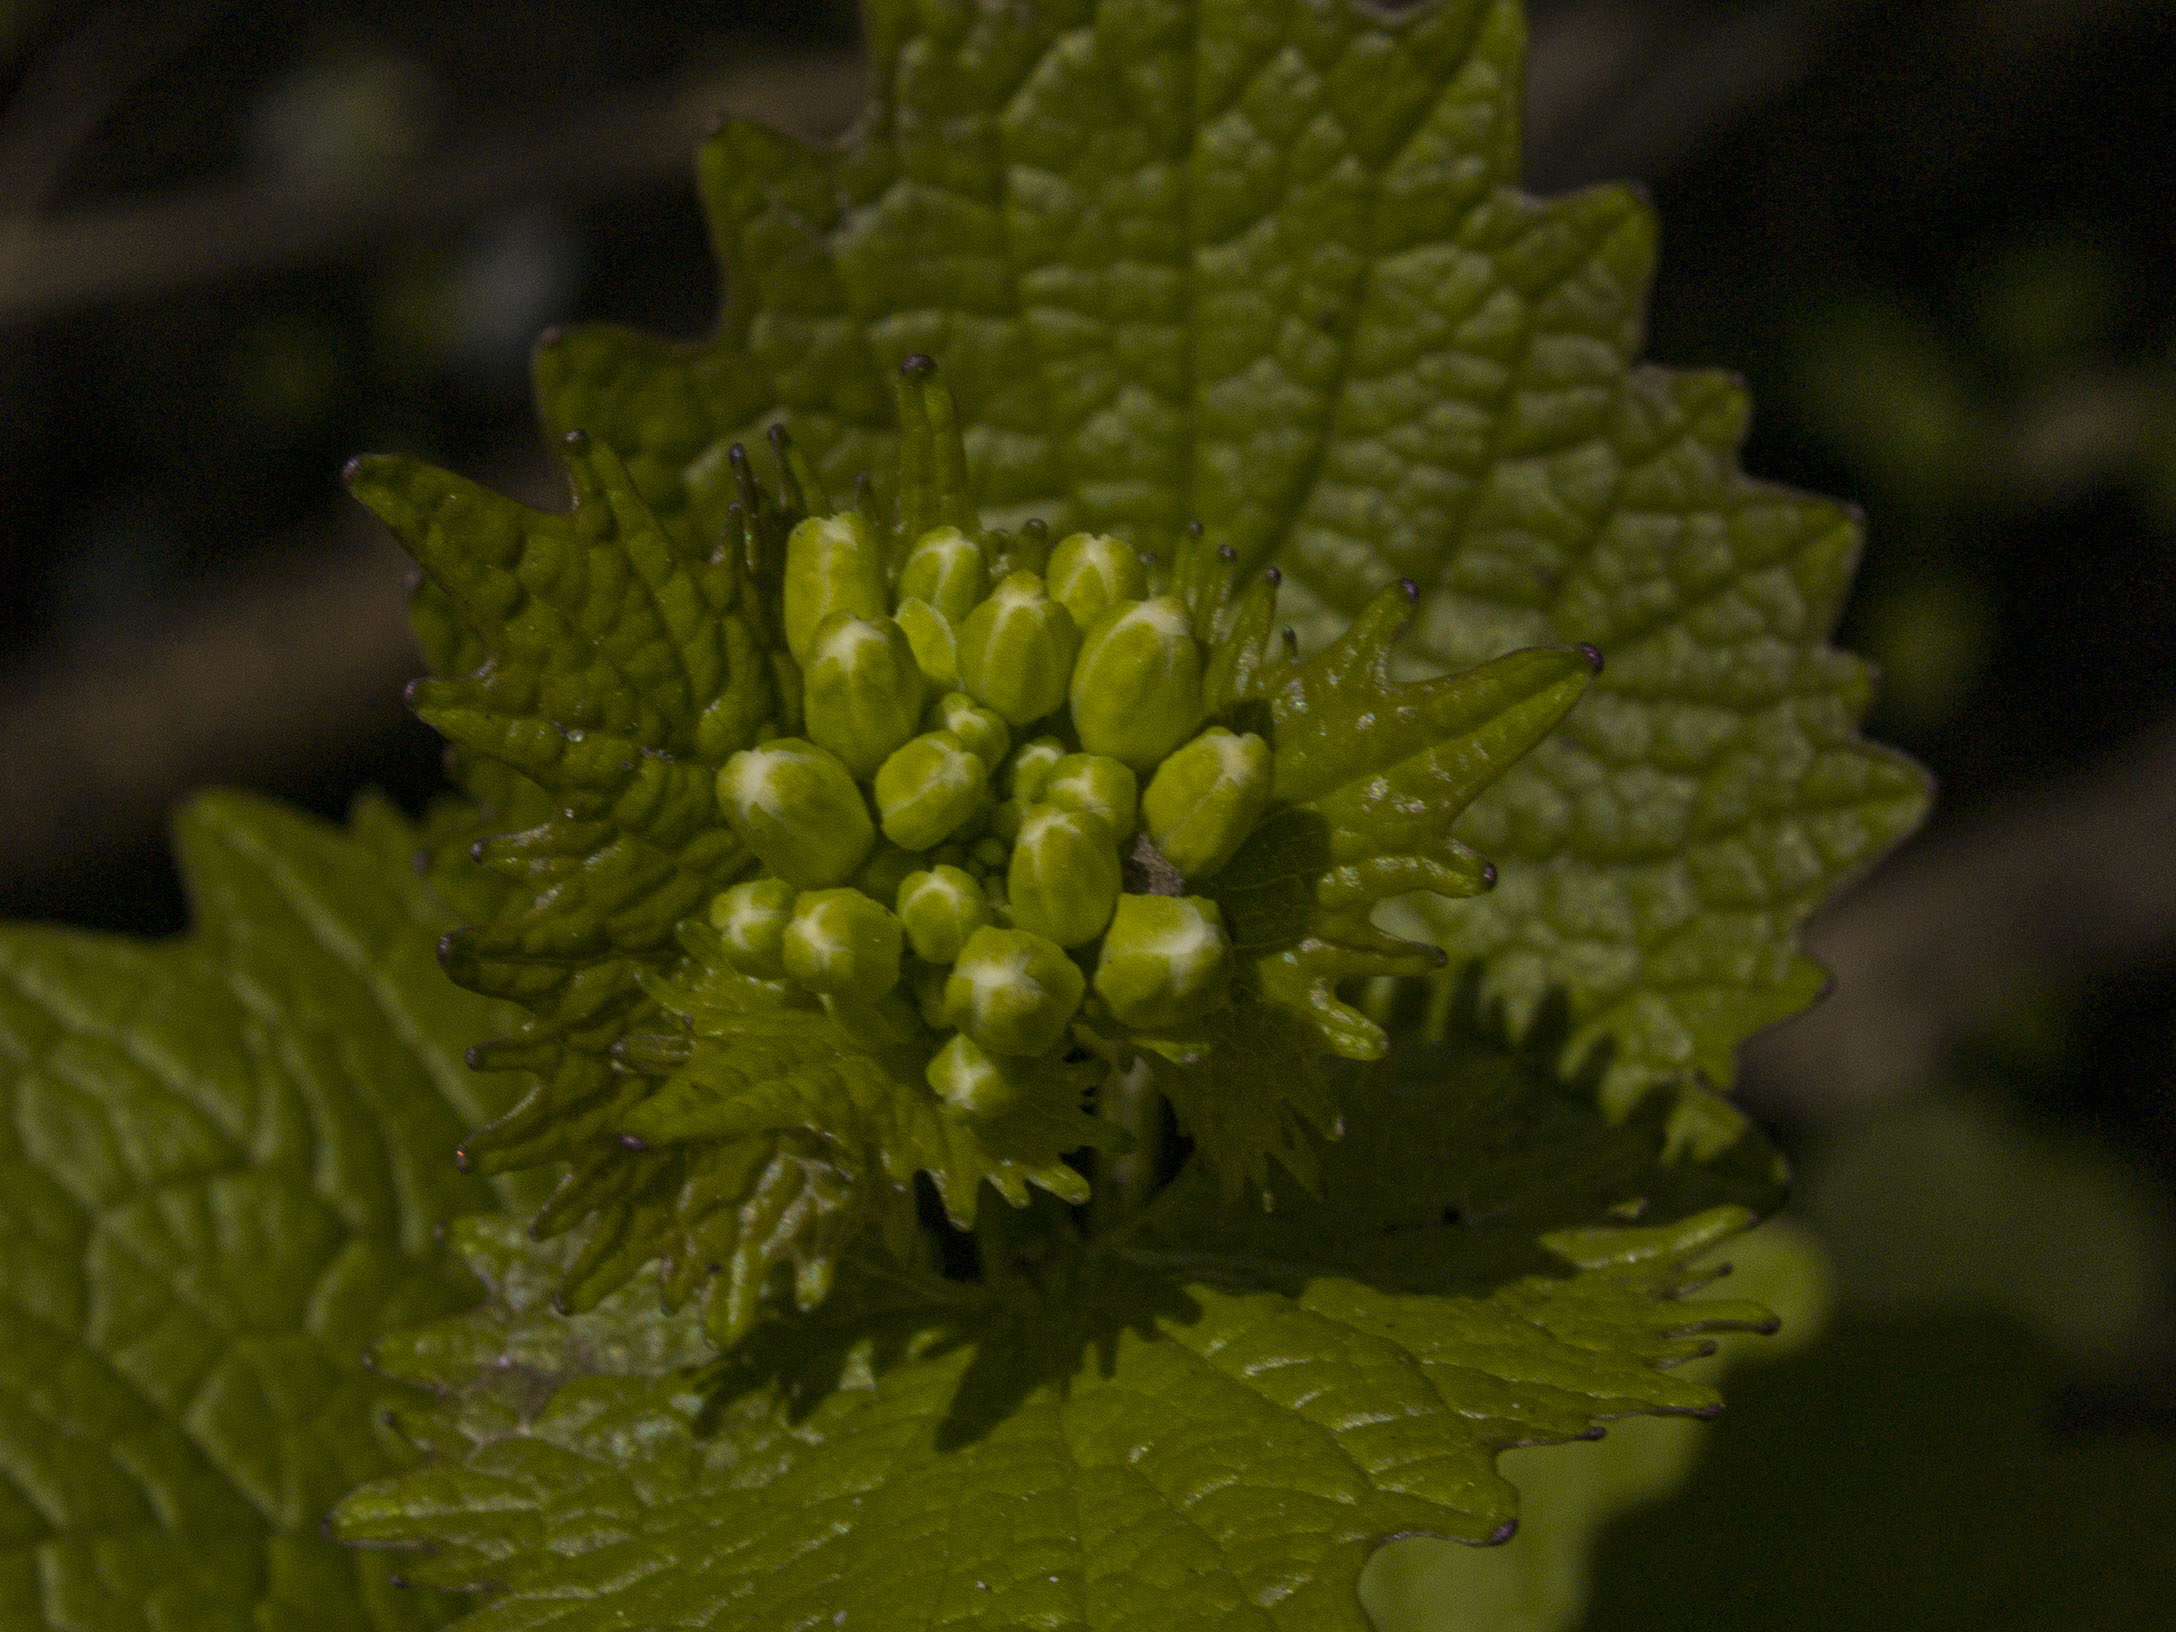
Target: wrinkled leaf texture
x: 1256, y: 262
x: 1262, y: 263
x: 223, y: 1164
x: 1209, y: 1421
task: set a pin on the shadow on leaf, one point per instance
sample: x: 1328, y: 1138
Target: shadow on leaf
x: 1458, y: 1159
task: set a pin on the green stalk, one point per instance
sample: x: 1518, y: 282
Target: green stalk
x: 1126, y: 1181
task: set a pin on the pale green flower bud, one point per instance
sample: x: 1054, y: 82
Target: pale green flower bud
x: 797, y: 808
x: 843, y: 944
x: 833, y: 564
x: 970, y: 1082
x: 946, y: 569
x: 1013, y: 991
x: 936, y: 653
x: 1205, y: 799
x: 1165, y: 963
x: 1096, y: 786
x: 941, y: 909
x: 1030, y: 767
x: 1089, y: 572
x: 751, y: 920
x: 1137, y: 689
x: 929, y: 789
x: 1064, y: 876
x: 861, y: 691
x: 1017, y: 649
x: 985, y: 735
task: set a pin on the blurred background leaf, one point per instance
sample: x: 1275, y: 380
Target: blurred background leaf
x: 1903, y: 1473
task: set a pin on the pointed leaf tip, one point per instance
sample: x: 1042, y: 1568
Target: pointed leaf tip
x: 1156, y: 1356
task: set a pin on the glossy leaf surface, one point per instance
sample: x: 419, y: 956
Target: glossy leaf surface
x: 224, y: 1161
x: 1262, y: 264
x: 1208, y: 1420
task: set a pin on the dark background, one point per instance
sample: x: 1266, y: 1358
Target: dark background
x: 241, y: 242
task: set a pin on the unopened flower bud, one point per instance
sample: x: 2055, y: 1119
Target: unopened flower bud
x: 797, y: 808
x: 1137, y: 690
x: 928, y: 789
x: 751, y: 919
x: 1095, y: 786
x: 1091, y: 571
x: 1064, y: 875
x: 941, y: 909
x: 1165, y: 963
x: 985, y: 735
x: 833, y: 564
x: 861, y: 691
x: 971, y: 1083
x: 946, y: 569
x: 936, y: 653
x: 1013, y: 991
x: 1029, y: 768
x: 1205, y: 799
x: 1017, y: 650
x: 843, y: 944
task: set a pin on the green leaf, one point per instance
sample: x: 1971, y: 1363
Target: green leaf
x: 1261, y: 263
x: 223, y: 1164
x: 593, y: 674
x: 1211, y: 1419
x: 1541, y: 1579
x: 614, y: 671
x: 1372, y: 775
x: 726, y: 1125
x: 798, y: 1131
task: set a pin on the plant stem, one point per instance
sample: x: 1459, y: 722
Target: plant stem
x: 1130, y: 1100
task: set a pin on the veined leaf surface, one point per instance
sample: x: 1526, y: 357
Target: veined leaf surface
x: 1210, y: 1420
x: 223, y: 1163
x: 1263, y: 264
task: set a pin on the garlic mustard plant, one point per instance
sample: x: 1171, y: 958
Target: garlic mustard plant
x: 993, y: 1083
x: 1011, y: 840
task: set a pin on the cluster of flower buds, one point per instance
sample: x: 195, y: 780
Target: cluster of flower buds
x: 994, y: 744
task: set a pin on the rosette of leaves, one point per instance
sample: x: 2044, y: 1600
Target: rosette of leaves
x: 1235, y: 301
x: 1259, y: 269
x: 971, y: 833
x: 1266, y: 267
